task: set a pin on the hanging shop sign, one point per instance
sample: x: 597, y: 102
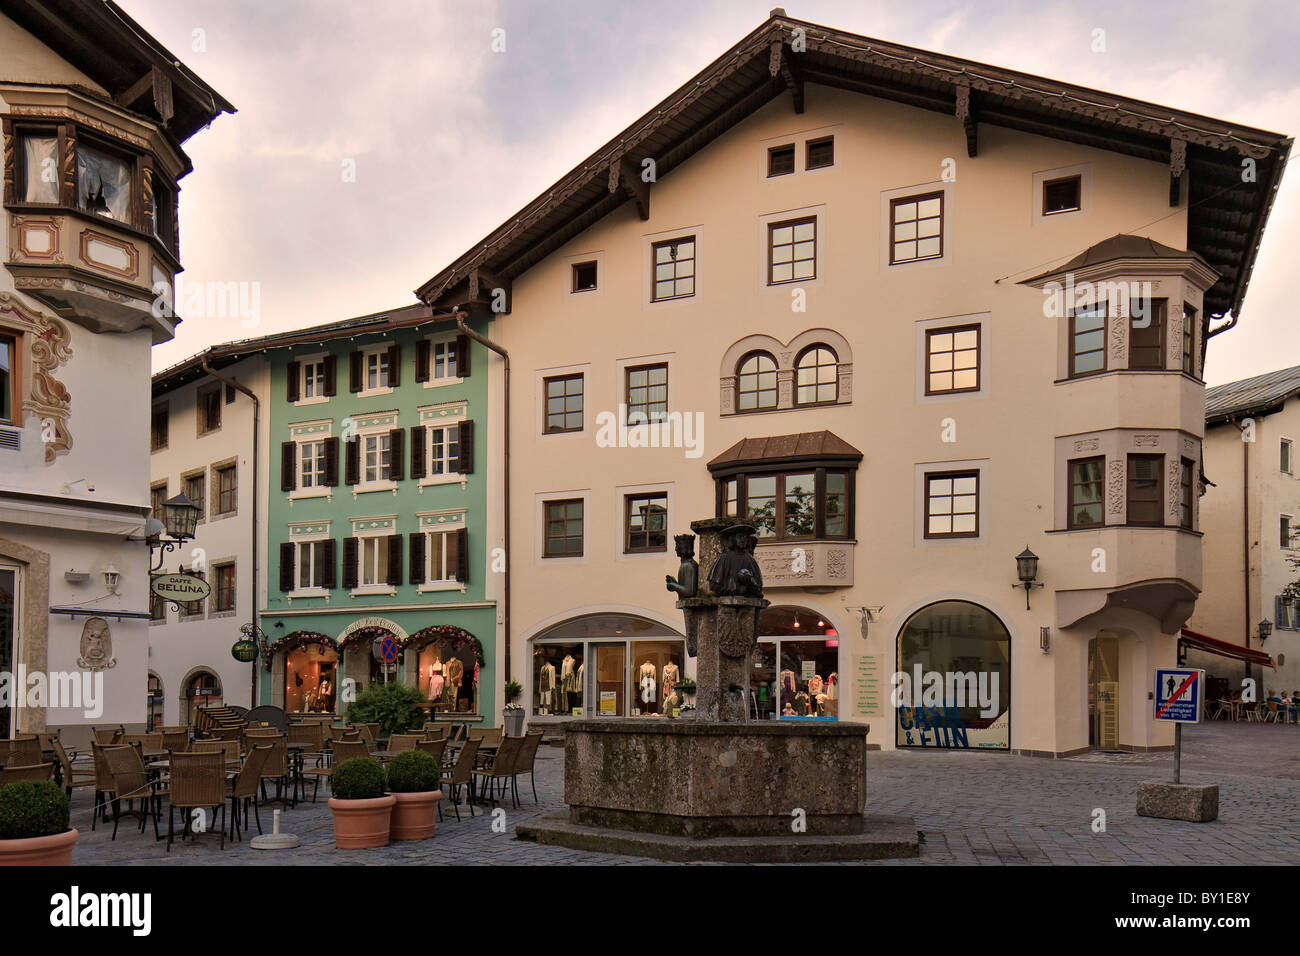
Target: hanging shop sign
x: 244, y: 651
x: 181, y: 588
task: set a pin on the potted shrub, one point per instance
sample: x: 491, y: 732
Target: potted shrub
x: 514, y: 714
x: 415, y: 784
x: 395, y: 707
x: 35, y: 827
x: 361, y: 808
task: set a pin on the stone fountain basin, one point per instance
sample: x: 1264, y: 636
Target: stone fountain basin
x: 704, y: 779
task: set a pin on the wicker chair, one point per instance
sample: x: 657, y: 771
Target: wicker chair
x: 501, y: 769
x: 107, y: 735
x: 244, y: 787
x: 230, y: 748
x: 146, y: 741
x: 399, y: 743
x: 277, y: 768
x: 346, y: 749
x: 175, y: 739
x: 12, y: 773
x: 105, y: 789
x: 462, y: 775
x: 22, y: 750
x: 198, y: 781
x: 69, y: 770
x: 527, y: 759
x: 434, y: 729
x: 131, y: 781
x: 434, y: 748
x: 369, y: 733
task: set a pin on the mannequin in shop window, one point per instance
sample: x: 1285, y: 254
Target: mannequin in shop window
x: 436, y: 680
x: 787, y: 690
x: 832, y: 702
x: 670, y: 679
x: 455, y: 676
x: 568, y: 683
x: 545, y: 687
x: 647, y: 684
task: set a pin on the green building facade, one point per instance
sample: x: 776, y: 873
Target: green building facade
x: 378, y: 525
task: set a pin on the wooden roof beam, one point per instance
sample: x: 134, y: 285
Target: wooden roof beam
x: 781, y: 63
x: 491, y: 289
x: 623, y: 174
x: 966, y: 115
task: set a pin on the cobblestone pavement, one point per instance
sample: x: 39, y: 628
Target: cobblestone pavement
x: 973, y: 808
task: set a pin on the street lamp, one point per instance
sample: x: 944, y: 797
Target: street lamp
x: 180, y: 515
x: 1265, y: 629
x: 1027, y: 570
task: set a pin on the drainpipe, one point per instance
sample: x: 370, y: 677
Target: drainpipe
x: 257, y: 411
x: 1245, y: 532
x: 461, y: 315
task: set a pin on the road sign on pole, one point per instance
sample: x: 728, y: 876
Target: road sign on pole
x: 1180, y: 692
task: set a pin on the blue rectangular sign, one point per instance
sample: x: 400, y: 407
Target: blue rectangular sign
x: 1179, y: 693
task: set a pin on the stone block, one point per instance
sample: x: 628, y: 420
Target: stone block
x: 1198, y: 803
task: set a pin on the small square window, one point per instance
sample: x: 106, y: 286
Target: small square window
x: 952, y: 360
x: 1062, y: 195
x: 563, y: 533
x: 821, y: 153
x: 952, y: 504
x: 1086, y: 488
x: 674, y: 268
x: 584, y: 276
x: 563, y: 404
x: 791, y: 251
x: 646, y: 523
x: 917, y: 224
x: 780, y: 160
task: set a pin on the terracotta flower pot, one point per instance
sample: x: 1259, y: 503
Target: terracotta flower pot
x: 53, y: 850
x: 415, y: 815
x: 361, y: 824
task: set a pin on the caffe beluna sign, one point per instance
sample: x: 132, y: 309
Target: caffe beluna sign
x: 181, y: 588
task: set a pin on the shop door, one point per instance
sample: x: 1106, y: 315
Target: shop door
x: 1103, y: 692
x: 610, y: 698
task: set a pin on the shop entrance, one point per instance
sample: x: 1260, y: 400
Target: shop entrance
x: 8, y: 642
x: 795, y: 666
x: 1103, y: 692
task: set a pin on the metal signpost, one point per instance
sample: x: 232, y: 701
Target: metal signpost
x: 1180, y: 692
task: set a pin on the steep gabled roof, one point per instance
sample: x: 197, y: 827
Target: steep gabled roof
x: 1258, y: 395
x: 228, y: 353
x: 99, y: 39
x: 1226, y: 216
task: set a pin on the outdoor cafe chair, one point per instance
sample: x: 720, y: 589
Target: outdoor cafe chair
x: 434, y: 748
x: 21, y: 749
x: 13, y: 773
x: 347, y: 749
x: 131, y: 781
x: 229, y: 748
x: 462, y: 775
x: 402, y: 742
x: 500, y: 768
x: 526, y: 762
x: 73, y: 776
x: 107, y: 735
x: 147, y: 741
x: 243, y: 787
x: 174, y: 740
x: 277, y: 768
x: 105, y: 790
x: 198, y: 781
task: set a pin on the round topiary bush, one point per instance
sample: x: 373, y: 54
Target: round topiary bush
x: 33, y: 808
x: 358, y: 778
x: 413, y: 772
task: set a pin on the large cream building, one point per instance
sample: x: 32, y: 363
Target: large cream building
x: 831, y: 265
x: 94, y: 111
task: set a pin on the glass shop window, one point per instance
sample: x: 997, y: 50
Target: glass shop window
x: 558, y: 673
x: 656, y: 672
x: 310, y: 679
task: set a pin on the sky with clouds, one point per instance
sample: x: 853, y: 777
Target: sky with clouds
x: 449, y: 138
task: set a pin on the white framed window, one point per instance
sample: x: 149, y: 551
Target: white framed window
x: 791, y: 249
x: 444, y: 449
x: 311, y: 384
x: 952, y: 358
x: 583, y: 275
x: 916, y: 223
x: 372, y: 561
x: 376, y: 458
x: 311, y: 464
x: 442, y: 360
x: 441, y: 557
x: 311, y: 566
x: 1285, y: 454
x: 376, y: 371
x: 1064, y: 192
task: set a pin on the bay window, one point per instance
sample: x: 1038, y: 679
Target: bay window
x: 787, y: 505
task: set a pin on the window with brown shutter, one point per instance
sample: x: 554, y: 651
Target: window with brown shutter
x: 351, y: 461
x: 351, y: 549
x: 355, y: 378
x: 465, y: 462
x: 329, y: 575
x: 394, y: 366
x: 288, y: 465
x: 331, y: 375
x: 331, y: 462
x: 417, y: 539
x: 286, y: 566
x: 462, y: 356
x: 397, y: 454
x: 462, y: 556
x: 394, y: 559
x: 292, y: 377
x: 422, y: 360
x: 1145, y: 502
x: 418, y: 449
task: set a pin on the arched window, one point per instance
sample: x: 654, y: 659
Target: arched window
x: 817, y: 376
x: 956, y: 692
x: 756, y: 382
x: 202, y: 689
